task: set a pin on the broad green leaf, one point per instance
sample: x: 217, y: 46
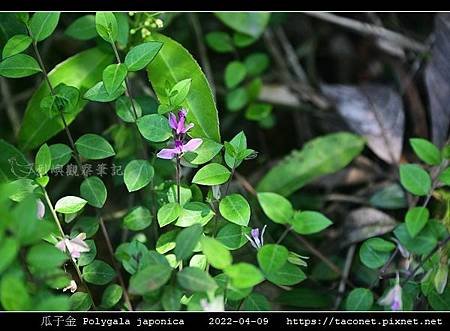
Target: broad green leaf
x: 235, y: 209
x: 43, y: 161
x: 13, y: 164
x: 179, y: 92
x: 258, y: 111
x: 233, y: 236
x: 196, y: 280
x: 141, y: 55
x: 16, y: 45
x: 276, y: 207
x: 248, y: 23
x: 171, y: 298
x: 186, y: 241
x: 111, y: 296
x: 243, y: 275
x: 309, y: 222
x: 168, y: 213
x: 233, y: 293
x: 98, y: 273
x: 416, y: 218
x: 45, y: 256
x: 389, y: 197
x: 256, y: 63
x: 204, y: 153
x: 124, y: 109
x: 14, y: 294
x: 166, y: 241
x: 421, y: 244
x: 81, y: 71
x: 235, y: 73
x: 199, y: 261
x: 219, y: 41
x: 444, y: 177
x: 319, y: 157
x: 237, y: 99
x: 272, y: 257
x: 375, y: 252
x: 439, y: 301
x: 93, y: 191
x: 18, y: 66
x: 243, y: 40
x: 138, y: 219
x: 154, y: 127
x: 87, y: 257
x: 172, y: 64
x: 80, y: 301
x: 113, y: 77
x: 65, y: 99
x: 99, y: 93
x: 256, y: 302
x: 42, y: 25
x: 70, y: 204
x: 359, y: 299
x: 88, y: 225
x: 426, y: 151
x: 94, y: 147
x: 150, y: 278
x: 287, y: 275
x: 138, y: 174
x: 9, y: 247
x: 234, y: 149
x: 217, y: 254
x: 106, y: 25
x: 123, y: 29
x: 212, y: 174
x: 83, y: 28
x: 414, y: 179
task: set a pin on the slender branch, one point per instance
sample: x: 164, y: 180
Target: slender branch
x: 178, y: 175
x: 346, y: 272
x: 371, y: 30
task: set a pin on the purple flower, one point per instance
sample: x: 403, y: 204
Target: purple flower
x: 179, y: 148
x: 178, y: 124
x: 256, y: 240
x: 393, y: 298
x: 74, y: 246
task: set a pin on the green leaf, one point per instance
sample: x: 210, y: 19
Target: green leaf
x: 43, y: 161
x: 15, y: 45
x: 217, y: 254
x: 421, y: 244
x: 272, y: 257
x: 309, y: 222
x: 319, y: 157
x: 235, y: 73
x: 196, y: 280
x: 154, y: 127
x: 98, y: 273
x: 414, y: 179
x: 106, y: 25
x: 70, y: 204
x: 87, y: 257
x: 99, y: 93
x: 235, y: 209
x: 256, y: 63
x: 138, y: 174
x: 124, y: 109
x: 179, y: 92
x: 88, y: 225
x: 42, y: 25
x: 173, y: 64
x: 219, y: 41
x: 94, y: 147
x: 140, y: 56
x: 123, y: 29
x: 426, y: 151
x: 138, y: 219
x: 444, y: 177
x: 45, y: 256
x: 232, y: 236
x: 18, y: 66
x: 256, y: 302
x: 171, y: 298
x: 9, y: 247
x: 244, y: 275
x: 113, y: 77
x: 276, y: 207
x: 186, y: 241
x: 194, y: 213
x: 287, y: 275
x: 375, y: 252
x: 243, y: 40
x: 80, y: 301
x: 359, y: 299
x: 83, y: 28
x: 111, y: 296
x: 168, y: 213
x: 82, y: 71
x: 204, y: 153
x: 258, y: 111
x: 14, y: 294
x: 150, y: 278
x: 248, y: 23
x: 13, y: 163
x: 416, y: 218
x: 212, y: 174
x: 389, y: 197
x: 237, y: 99
x: 94, y: 191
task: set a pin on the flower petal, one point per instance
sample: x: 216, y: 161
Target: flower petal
x: 61, y: 245
x: 173, y: 121
x: 167, y: 153
x: 192, y: 145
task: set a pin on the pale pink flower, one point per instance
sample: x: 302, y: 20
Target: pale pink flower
x: 72, y: 287
x: 74, y: 246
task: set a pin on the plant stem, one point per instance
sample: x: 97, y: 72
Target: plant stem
x: 178, y: 175
x: 58, y: 224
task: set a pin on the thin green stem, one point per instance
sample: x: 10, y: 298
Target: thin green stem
x: 178, y: 175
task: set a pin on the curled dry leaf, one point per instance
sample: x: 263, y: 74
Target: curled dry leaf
x: 375, y: 112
